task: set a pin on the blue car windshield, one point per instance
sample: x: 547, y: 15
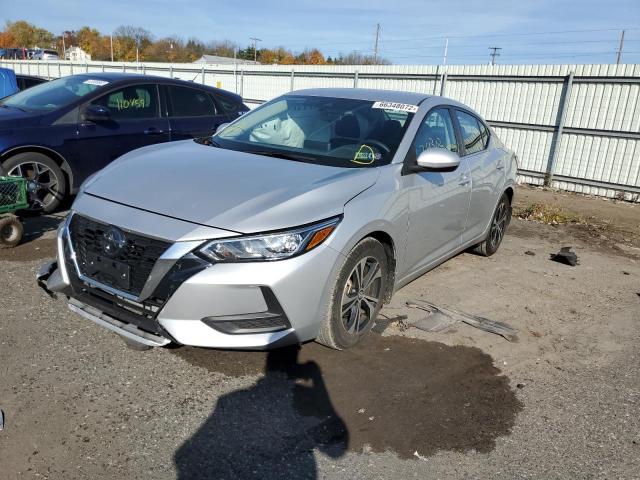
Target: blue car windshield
x: 52, y: 95
x: 340, y: 132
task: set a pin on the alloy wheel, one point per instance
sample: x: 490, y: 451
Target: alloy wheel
x: 361, y: 295
x: 43, y: 185
x: 499, y: 224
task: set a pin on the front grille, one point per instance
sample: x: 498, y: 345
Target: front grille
x: 136, y: 258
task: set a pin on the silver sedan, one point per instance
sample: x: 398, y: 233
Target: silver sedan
x: 298, y: 221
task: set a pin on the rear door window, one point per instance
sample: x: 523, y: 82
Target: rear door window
x: 131, y: 103
x: 189, y: 102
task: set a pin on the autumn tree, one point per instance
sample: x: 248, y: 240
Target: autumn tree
x: 90, y: 40
x: 130, y: 39
x: 28, y: 35
x: 7, y: 40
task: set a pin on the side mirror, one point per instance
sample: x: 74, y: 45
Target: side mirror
x: 437, y: 160
x: 221, y: 127
x: 95, y: 114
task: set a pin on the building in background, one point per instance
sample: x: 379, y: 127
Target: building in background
x: 214, y: 59
x: 76, y: 54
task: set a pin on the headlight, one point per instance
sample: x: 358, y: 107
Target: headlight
x: 270, y: 246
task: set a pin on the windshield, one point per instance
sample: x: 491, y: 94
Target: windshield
x: 339, y: 132
x: 52, y: 95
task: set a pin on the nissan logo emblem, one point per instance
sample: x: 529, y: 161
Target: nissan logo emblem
x: 113, y: 241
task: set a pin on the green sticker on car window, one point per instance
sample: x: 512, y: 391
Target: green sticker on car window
x: 365, y: 155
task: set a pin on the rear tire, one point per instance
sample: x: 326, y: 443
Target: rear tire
x: 499, y: 223
x: 357, y: 296
x: 11, y: 231
x: 46, y: 183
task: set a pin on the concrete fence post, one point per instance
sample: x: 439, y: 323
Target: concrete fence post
x: 557, y: 135
x: 171, y: 71
x: 242, y: 82
x: 86, y: 67
x: 291, y: 81
x: 48, y: 70
x: 144, y: 68
x: 102, y: 67
x: 59, y: 70
x: 355, y: 79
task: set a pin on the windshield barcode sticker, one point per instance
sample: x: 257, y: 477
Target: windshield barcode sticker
x: 92, y: 81
x: 402, y: 107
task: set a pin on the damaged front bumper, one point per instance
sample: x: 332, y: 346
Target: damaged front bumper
x: 50, y: 279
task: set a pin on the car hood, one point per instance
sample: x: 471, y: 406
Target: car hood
x: 13, y: 118
x: 227, y: 189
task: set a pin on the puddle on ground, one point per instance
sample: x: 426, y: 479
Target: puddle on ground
x: 390, y: 393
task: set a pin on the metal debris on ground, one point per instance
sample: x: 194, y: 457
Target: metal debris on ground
x: 1, y: 420
x: 530, y: 253
x: 434, y: 321
x: 566, y: 256
x: 499, y: 328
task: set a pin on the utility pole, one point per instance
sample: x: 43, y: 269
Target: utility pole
x: 446, y: 49
x: 619, y: 57
x: 111, y: 45
x: 255, y: 47
x: 375, y: 46
x: 495, y: 52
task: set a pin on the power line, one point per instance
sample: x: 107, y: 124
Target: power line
x: 501, y: 35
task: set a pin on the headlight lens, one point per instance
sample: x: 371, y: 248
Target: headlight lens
x: 271, y: 246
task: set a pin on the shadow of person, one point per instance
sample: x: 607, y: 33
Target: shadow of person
x: 269, y: 430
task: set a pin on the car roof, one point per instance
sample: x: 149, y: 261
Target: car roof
x: 114, y: 78
x: 412, y: 98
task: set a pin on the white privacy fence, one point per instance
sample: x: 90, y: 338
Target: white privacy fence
x: 575, y: 127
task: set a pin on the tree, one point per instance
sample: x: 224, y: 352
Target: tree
x: 28, y: 35
x: 129, y: 40
x: 90, y: 40
x: 7, y: 40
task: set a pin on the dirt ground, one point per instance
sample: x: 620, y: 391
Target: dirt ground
x: 561, y: 402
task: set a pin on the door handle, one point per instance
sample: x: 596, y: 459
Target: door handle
x: 153, y: 131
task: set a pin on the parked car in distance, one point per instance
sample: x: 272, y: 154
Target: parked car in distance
x: 58, y: 133
x: 295, y: 222
x: 45, y: 54
x: 28, y: 81
x: 14, y: 53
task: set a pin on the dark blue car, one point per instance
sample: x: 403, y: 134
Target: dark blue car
x: 58, y: 133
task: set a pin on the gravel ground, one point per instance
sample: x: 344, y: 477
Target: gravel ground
x: 562, y: 402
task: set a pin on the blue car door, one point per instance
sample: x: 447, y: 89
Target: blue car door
x: 192, y: 113
x: 134, y: 121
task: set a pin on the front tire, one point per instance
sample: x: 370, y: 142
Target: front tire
x: 46, y: 183
x: 499, y: 223
x: 357, y: 296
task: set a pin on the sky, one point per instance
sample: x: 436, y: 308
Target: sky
x: 412, y: 31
